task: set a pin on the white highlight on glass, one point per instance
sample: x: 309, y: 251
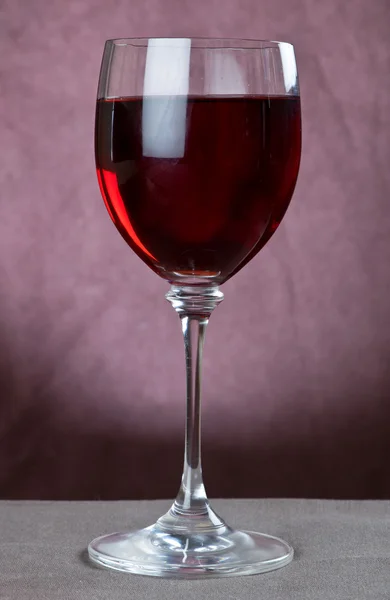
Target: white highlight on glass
x: 167, y: 74
x: 290, y: 73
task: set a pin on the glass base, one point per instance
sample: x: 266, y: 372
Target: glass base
x: 223, y: 552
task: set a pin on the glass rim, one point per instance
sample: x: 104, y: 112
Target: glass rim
x: 205, y: 43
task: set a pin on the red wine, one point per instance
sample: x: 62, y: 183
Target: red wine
x: 196, y: 186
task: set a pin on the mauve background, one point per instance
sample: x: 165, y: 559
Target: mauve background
x: 296, y: 374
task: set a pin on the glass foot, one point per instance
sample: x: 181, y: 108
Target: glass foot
x: 218, y: 553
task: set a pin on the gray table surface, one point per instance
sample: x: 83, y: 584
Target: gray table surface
x: 342, y: 551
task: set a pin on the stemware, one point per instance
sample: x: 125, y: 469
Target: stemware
x: 197, y: 146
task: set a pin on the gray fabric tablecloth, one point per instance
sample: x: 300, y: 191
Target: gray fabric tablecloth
x: 342, y: 551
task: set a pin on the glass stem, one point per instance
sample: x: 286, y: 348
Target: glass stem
x: 192, y: 494
x: 194, y: 306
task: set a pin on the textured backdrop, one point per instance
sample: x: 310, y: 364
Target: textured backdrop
x: 296, y: 377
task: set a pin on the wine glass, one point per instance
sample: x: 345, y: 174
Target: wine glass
x: 197, y: 146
